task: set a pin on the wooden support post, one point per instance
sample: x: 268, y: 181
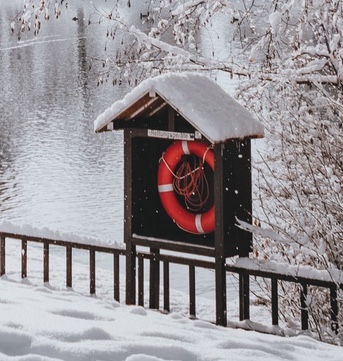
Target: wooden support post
x: 46, y: 262
x: 244, y: 297
x: 221, y: 317
x: 220, y: 272
x: 23, y: 258
x: 166, y: 291
x: 92, y: 271
x: 116, y: 277
x: 192, y: 301
x: 304, y: 309
x: 141, y: 281
x: 69, y: 266
x: 154, y: 289
x: 130, y: 274
x: 275, y: 302
x: 130, y: 248
x: 2, y: 255
x: 334, y: 309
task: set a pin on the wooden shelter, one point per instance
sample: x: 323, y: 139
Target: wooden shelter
x: 194, y: 113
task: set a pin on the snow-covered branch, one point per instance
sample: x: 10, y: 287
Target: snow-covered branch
x: 187, y: 57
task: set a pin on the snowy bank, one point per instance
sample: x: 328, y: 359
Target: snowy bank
x: 48, y: 322
x: 44, y: 324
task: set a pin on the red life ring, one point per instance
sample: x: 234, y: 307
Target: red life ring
x: 193, y: 223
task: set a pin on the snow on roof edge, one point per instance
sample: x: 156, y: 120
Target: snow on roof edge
x: 119, y: 106
x: 237, y: 126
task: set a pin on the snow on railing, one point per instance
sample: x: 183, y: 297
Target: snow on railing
x: 30, y: 231
x: 306, y: 272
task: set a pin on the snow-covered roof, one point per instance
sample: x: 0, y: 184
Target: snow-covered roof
x: 197, y: 98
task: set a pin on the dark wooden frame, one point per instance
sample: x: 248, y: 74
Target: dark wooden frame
x: 232, y: 199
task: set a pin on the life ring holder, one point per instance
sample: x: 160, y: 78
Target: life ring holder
x: 196, y: 223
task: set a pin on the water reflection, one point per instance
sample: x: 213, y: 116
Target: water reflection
x: 54, y: 171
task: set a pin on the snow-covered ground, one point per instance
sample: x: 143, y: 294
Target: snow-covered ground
x: 40, y: 322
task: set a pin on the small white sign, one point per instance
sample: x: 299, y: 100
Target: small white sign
x: 171, y: 135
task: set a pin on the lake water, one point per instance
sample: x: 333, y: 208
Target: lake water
x: 55, y: 172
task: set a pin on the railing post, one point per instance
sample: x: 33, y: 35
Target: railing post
x: 192, y: 302
x: 140, y: 280
x: 275, y: 302
x: 166, y: 291
x: 304, y: 309
x: 116, y: 276
x: 92, y: 270
x: 244, y: 297
x: 130, y: 273
x: 46, y: 262
x: 23, y: 258
x: 69, y: 266
x: 334, y: 309
x: 2, y: 255
x: 154, y: 301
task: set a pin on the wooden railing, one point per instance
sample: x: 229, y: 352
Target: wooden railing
x: 69, y: 246
x: 275, y: 278
x: 156, y: 260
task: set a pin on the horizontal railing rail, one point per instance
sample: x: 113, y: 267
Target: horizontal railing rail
x: 165, y: 260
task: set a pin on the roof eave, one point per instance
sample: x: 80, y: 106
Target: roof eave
x: 146, y: 105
